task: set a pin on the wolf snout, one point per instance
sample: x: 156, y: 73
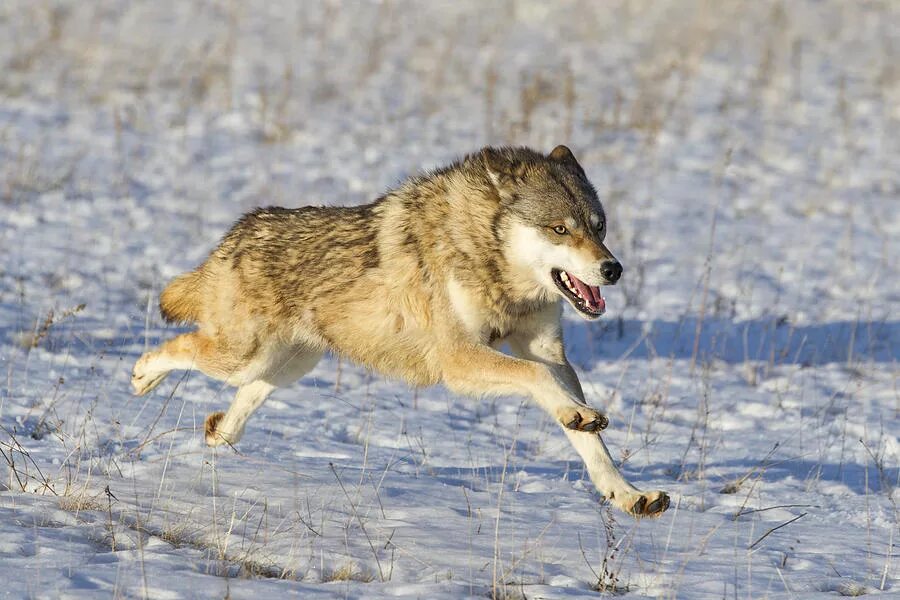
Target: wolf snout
x: 611, y: 270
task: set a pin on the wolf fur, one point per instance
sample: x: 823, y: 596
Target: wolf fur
x: 425, y: 284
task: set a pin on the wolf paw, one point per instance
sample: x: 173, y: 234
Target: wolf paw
x: 143, y: 380
x: 583, y: 418
x: 216, y: 434
x: 650, y: 504
x: 214, y: 437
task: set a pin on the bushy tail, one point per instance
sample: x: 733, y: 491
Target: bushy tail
x: 181, y: 301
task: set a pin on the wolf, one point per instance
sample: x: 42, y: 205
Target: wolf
x: 426, y: 284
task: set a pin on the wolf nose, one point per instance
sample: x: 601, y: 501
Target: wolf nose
x: 611, y: 270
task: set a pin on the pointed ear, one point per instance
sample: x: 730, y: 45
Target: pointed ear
x: 503, y: 170
x: 562, y: 154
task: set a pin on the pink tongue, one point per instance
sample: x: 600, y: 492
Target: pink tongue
x: 590, y: 292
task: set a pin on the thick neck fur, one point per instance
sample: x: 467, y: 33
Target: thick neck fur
x: 457, y: 218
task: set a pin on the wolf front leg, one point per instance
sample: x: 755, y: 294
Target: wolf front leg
x: 477, y: 370
x: 609, y: 481
x: 543, y: 344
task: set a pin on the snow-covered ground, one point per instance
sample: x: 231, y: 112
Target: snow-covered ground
x: 749, y: 158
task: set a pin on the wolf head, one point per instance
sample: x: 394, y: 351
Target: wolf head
x: 554, y: 225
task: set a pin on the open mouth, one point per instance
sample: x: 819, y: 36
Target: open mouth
x: 586, y: 298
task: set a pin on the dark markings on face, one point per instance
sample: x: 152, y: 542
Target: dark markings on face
x: 559, y: 181
x: 555, y: 195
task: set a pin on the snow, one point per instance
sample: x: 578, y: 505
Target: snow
x: 748, y: 158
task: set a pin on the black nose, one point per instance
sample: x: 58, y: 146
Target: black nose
x: 612, y: 270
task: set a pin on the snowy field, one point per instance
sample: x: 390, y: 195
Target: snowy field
x: 748, y: 155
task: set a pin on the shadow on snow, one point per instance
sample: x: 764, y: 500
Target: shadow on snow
x: 769, y: 340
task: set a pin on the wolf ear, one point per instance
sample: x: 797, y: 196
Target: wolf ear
x: 503, y: 170
x: 562, y: 154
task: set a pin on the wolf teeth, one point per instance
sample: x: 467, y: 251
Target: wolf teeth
x: 564, y: 277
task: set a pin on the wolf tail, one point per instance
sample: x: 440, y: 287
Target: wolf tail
x: 181, y: 301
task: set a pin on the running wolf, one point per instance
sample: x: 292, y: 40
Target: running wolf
x: 425, y: 284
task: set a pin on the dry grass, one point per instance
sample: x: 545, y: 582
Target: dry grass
x: 348, y: 572
x: 80, y: 503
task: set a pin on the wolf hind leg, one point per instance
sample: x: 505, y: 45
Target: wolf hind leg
x: 153, y: 366
x: 193, y: 350
x: 228, y: 427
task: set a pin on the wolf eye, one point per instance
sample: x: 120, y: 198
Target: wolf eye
x: 561, y: 229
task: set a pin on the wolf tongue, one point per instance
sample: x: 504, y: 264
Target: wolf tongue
x: 586, y: 291
x: 596, y: 301
x: 600, y: 302
x: 590, y: 293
